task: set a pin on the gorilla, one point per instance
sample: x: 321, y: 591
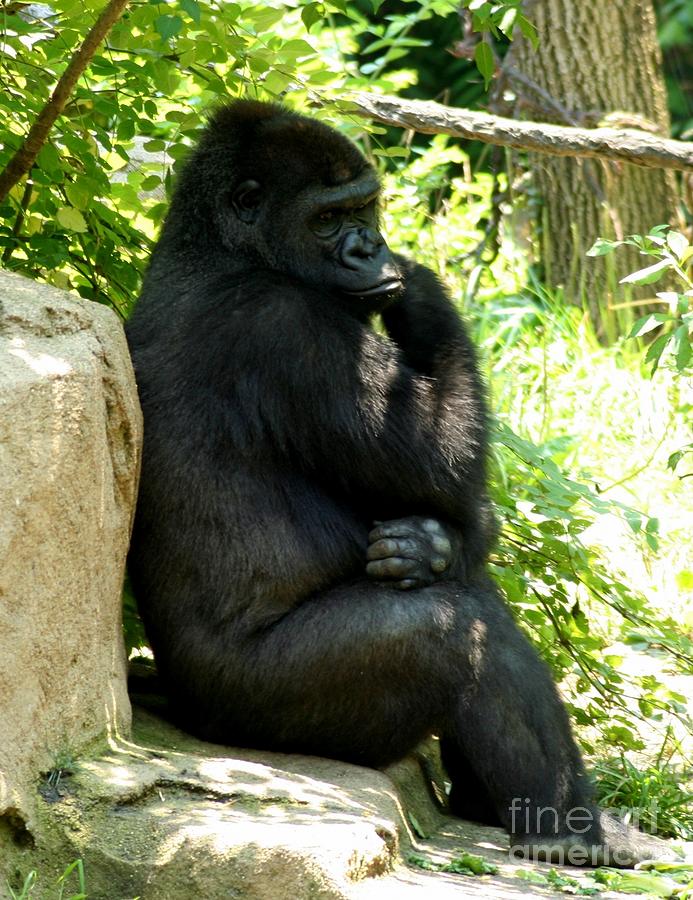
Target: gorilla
x: 312, y: 527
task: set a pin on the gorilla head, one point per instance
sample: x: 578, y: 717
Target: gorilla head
x: 290, y: 194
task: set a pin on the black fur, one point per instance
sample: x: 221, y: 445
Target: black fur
x: 279, y: 429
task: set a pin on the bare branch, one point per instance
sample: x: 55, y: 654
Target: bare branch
x: 24, y: 158
x: 624, y: 144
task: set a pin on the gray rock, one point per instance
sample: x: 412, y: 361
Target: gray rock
x: 70, y: 436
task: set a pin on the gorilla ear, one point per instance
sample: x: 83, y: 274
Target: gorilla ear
x: 245, y: 200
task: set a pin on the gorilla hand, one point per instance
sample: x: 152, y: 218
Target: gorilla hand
x: 411, y: 553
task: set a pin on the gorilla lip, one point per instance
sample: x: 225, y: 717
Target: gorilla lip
x: 391, y: 286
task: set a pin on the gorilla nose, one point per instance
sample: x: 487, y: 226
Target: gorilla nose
x: 359, y: 245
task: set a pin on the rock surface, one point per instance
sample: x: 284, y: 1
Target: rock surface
x: 167, y: 817
x: 70, y: 435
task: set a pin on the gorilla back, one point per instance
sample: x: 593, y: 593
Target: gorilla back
x: 312, y: 527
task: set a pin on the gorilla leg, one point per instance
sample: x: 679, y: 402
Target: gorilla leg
x: 363, y: 672
x: 469, y: 798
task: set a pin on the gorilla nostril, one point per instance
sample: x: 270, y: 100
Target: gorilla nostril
x: 358, y: 245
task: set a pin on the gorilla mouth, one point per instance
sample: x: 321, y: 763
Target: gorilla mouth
x: 390, y: 286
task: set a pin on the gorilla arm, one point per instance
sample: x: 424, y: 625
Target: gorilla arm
x: 349, y: 408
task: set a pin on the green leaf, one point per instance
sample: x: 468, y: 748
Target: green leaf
x: 263, y: 18
x: 192, y: 8
x: 655, y: 351
x: 528, y: 30
x: 78, y: 195
x: 648, y: 323
x: 295, y: 49
x: 601, y: 247
x: 677, y: 243
x: 483, y: 57
x: 312, y: 13
x: 507, y: 23
x: 682, y: 341
x: 648, y: 275
x: 71, y: 219
x: 150, y: 183
x: 49, y: 160
x: 276, y: 82
x: 168, y: 26
x: 393, y: 151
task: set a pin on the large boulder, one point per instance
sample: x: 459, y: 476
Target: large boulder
x: 70, y: 437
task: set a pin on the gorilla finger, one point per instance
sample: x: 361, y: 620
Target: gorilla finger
x: 441, y: 545
x: 396, y: 528
x: 439, y: 564
x: 381, y: 549
x: 405, y: 547
x: 393, y: 567
x: 407, y: 584
x: 433, y: 527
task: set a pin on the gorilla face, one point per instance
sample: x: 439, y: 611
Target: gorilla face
x: 326, y: 236
x: 345, y: 230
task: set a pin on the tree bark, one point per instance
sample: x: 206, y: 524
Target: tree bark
x: 594, y: 61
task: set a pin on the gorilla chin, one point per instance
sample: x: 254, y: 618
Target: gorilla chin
x: 311, y: 536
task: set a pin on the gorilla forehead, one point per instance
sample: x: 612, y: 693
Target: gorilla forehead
x: 264, y: 139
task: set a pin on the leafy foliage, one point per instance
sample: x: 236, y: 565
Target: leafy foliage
x: 654, y: 797
x: 652, y: 880
x: 86, y: 217
x: 674, y: 256
x: 565, y: 593
x: 672, y: 343
x: 466, y: 864
x: 496, y: 20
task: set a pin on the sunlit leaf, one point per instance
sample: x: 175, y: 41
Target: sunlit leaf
x: 682, y: 341
x: 656, y: 349
x: 648, y: 323
x: 71, y: 219
x: 312, y: 13
x: 648, y: 275
x: 677, y: 243
x: 601, y: 247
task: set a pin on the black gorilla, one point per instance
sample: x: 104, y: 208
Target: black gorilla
x: 312, y: 527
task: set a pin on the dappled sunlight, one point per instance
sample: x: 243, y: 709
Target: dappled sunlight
x: 41, y: 363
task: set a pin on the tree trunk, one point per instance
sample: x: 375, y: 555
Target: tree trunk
x: 596, y: 63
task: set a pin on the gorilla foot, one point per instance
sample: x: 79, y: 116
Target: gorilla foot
x: 621, y: 846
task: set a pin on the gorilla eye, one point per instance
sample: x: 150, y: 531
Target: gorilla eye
x: 328, y: 222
